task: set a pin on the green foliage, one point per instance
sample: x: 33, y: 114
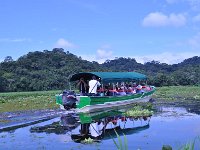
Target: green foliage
x: 138, y: 111
x: 191, y: 145
x: 47, y: 70
x: 166, y: 147
x: 120, y: 145
x: 50, y: 70
x: 3, y: 84
x: 178, y: 92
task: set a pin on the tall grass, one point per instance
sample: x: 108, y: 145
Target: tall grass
x: 120, y: 145
x: 191, y: 145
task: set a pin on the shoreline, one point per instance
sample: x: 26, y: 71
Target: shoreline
x: 45, y: 100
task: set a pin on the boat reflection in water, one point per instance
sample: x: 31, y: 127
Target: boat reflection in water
x: 98, y: 126
x: 66, y: 124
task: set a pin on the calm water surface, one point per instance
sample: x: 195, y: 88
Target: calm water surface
x: 173, y: 126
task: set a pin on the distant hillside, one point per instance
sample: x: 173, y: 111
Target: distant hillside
x: 51, y: 69
x: 42, y: 70
x: 161, y: 74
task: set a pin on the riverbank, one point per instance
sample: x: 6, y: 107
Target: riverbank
x: 174, y: 93
x: 20, y: 101
x: 41, y: 100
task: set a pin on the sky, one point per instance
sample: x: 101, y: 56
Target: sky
x: 167, y: 31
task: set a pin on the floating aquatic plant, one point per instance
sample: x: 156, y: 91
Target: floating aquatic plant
x: 197, y: 97
x: 138, y: 111
x: 88, y: 141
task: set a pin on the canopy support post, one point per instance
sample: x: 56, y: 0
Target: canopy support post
x: 113, y: 89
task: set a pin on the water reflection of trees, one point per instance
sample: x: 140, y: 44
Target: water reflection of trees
x: 191, y: 106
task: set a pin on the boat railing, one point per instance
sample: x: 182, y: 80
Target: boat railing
x: 101, y: 93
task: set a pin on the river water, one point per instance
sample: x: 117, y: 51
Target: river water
x: 170, y: 125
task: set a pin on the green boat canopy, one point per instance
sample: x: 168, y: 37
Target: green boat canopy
x: 109, y: 76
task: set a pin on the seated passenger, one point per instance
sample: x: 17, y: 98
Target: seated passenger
x: 139, y: 89
x: 106, y: 90
x: 148, y: 88
x: 113, y: 92
x: 130, y: 90
x: 145, y: 87
x: 121, y: 92
x: 123, y: 86
x: 100, y: 91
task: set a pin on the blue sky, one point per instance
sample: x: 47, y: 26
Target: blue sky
x: 163, y: 30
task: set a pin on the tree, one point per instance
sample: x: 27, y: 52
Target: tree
x: 8, y: 59
x: 3, y: 84
x: 49, y: 70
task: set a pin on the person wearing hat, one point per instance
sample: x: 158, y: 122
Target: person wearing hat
x: 139, y: 89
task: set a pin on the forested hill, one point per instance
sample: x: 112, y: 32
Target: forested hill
x: 49, y: 70
x: 42, y: 70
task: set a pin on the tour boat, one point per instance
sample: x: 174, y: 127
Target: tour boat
x: 92, y: 103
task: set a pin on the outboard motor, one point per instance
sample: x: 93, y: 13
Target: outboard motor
x: 69, y: 121
x: 69, y: 99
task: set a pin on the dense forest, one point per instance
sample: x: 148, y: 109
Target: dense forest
x: 50, y: 70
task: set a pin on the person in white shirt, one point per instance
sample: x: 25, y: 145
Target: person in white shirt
x: 93, y: 84
x: 96, y: 129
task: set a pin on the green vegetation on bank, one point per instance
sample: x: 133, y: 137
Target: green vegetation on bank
x: 19, y: 101
x: 178, y: 92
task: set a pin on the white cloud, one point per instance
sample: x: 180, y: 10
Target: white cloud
x: 195, y: 41
x: 15, y: 40
x: 167, y: 57
x: 158, y: 19
x: 101, y: 56
x: 62, y: 43
x: 88, y: 57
